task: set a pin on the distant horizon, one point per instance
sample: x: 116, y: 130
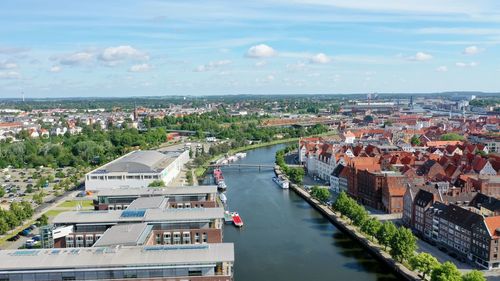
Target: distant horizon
x: 445, y: 93
x: 146, y: 48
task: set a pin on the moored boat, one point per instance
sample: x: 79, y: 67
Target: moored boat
x: 223, y: 198
x: 237, y: 221
x: 221, y: 186
x: 281, y: 182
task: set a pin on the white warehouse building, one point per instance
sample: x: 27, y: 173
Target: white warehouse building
x: 137, y: 169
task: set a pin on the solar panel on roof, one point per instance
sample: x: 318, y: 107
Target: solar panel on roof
x: 133, y: 213
x: 26, y: 253
x: 169, y: 248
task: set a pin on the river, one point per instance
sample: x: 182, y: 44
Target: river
x: 285, y: 239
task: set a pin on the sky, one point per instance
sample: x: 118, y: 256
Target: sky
x: 151, y: 47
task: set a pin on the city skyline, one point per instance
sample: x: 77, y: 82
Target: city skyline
x: 150, y: 48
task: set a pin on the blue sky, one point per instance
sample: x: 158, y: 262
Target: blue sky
x: 152, y: 47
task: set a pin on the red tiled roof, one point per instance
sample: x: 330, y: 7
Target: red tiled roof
x: 493, y: 223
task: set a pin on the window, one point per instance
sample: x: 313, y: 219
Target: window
x: 196, y: 272
x: 167, y: 238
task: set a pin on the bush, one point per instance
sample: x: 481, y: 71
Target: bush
x: 157, y: 183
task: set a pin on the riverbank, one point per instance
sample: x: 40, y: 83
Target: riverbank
x: 200, y: 171
x: 355, y: 234
x: 284, y: 237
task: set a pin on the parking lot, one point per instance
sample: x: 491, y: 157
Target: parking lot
x: 36, y: 186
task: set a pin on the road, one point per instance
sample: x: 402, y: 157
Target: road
x: 45, y: 207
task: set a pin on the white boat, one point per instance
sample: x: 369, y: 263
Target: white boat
x: 281, y: 182
x: 221, y: 186
x: 241, y: 155
x: 223, y: 198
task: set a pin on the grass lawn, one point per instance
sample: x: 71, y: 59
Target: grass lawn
x: 53, y: 213
x: 74, y: 203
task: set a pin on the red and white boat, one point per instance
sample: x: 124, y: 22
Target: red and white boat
x: 237, y: 221
x: 218, y: 177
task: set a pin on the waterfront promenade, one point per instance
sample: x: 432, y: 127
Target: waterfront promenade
x: 343, y: 225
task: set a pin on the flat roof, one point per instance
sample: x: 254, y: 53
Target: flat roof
x: 138, y: 161
x: 169, y: 190
x: 150, y: 215
x: 151, y: 202
x: 132, y: 234
x: 103, y: 257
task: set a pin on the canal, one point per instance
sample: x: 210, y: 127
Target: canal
x: 285, y: 239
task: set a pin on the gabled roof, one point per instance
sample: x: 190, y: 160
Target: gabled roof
x: 487, y: 202
x: 337, y: 170
x: 423, y: 198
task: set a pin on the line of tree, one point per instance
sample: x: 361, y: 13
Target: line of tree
x: 401, y: 242
x: 14, y: 216
x: 295, y: 174
x: 223, y: 125
x: 92, y: 146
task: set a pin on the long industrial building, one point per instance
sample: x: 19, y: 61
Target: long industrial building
x: 173, y: 262
x: 203, y: 196
x: 137, y: 169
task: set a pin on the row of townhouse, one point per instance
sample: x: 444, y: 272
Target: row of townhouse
x: 467, y: 226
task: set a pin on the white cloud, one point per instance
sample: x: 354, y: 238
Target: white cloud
x: 115, y: 54
x: 55, y: 69
x: 471, y: 50
x: 12, y: 50
x: 466, y: 64
x: 7, y: 65
x: 75, y: 58
x: 212, y: 65
x: 140, y: 68
x: 10, y: 75
x: 458, y: 31
x: 420, y: 56
x: 261, y: 63
x: 442, y: 68
x: 296, y: 66
x: 261, y: 51
x: 267, y: 79
x: 320, y: 59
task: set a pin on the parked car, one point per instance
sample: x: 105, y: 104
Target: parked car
x: 14, y: 238
x: 26, y: 232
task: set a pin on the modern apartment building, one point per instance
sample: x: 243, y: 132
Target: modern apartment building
x: 200, y: 225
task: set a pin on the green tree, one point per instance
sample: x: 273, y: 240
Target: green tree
x: 4, y: 226
x: 368, y: 119
x: 341, y: 204
x: 403, y: 244
x: 386, y: 233
x: 415, y: 140
x: 43, y: 220
x: 423, y: 263
x: 452, y: 137
x: 474, y: 275
x: 157, y: 183
x: 371, y: 227
x: 38, y: 198
x: 2, y: 191
x: 322, y: 194
x: 446, y: 272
